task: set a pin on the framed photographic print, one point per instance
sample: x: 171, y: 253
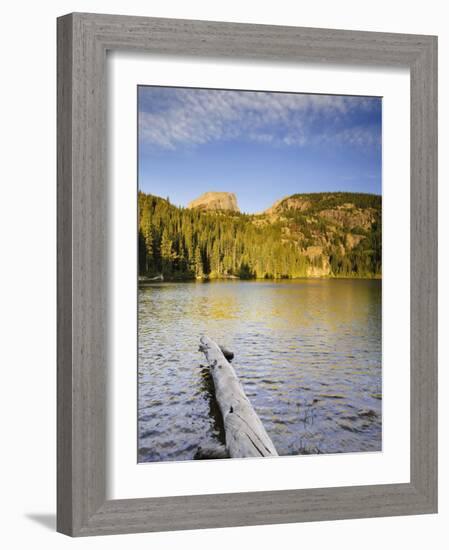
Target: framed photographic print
x: 246, y: 274
x: 289, y: 282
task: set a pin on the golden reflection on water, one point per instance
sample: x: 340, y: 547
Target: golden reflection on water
x: 308, y: 353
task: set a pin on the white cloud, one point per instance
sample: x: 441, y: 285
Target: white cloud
x: 356, y: 135
x: 178, y: 117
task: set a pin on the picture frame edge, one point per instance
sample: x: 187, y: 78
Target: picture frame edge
x: 82, y: 508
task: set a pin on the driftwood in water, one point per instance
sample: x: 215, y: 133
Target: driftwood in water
x: 159, y: 277
x: 143, y: 279
x: 229, y: 355
x: 211, y: 451
x: 245, y: 433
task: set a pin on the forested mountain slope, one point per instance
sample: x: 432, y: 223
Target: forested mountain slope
x: 304, y: 235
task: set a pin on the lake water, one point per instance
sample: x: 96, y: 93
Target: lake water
x: 307, y: 352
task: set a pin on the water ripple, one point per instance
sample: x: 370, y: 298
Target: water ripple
x: 308, y: 354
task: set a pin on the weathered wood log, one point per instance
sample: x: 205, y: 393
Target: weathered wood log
x: 229, y: 355
x: 211, y: 451
x: 159, y: 277
x: 245, y: 433
x: 143, y: 279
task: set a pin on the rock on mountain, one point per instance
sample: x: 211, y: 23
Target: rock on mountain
x: 348, y: 210
x: 294, y: 202
x: 215, y: 200
x: 335, y: 231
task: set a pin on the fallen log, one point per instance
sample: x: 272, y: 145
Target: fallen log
x: 211, y: 451
x: 245, y: 433
x: 229, y: 355
x: 159, y: 277
x: 143, y: 279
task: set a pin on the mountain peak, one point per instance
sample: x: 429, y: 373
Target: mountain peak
x: 215, y: 200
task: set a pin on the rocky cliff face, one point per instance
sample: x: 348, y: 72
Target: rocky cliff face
x: 337, y: 232
x: 215, y: 200
x: 295, y: 203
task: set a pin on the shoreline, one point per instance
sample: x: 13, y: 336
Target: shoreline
x: 150, y: 281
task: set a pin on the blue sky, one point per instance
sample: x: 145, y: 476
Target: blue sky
x: 260, y: 145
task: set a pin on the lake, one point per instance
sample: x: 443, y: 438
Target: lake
x: 308, y: 354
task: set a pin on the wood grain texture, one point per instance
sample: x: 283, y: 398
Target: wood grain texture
x: 245, y: 434
x: 424, y: 275
x: 83, y: 40
x: 64, y: 278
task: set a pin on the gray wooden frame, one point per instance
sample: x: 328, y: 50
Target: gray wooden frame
x: 83, y: 40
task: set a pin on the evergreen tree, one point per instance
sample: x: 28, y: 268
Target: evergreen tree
x: 199, y: 271
x: 183, y: 243
x: 167, y: 255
